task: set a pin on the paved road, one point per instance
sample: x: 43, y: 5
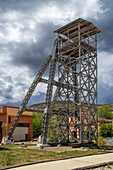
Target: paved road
x: 69, y: 164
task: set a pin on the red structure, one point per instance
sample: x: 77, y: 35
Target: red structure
x: 24, y: 129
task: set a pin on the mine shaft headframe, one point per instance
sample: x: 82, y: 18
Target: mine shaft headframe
x: 74, y: 32
x: 71, y: 30
x: 78, y: 43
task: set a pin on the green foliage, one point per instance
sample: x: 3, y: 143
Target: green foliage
x: 53, y: 129
x: 105, y: 112
x: 106, y: 130
x: 4, y: 125
x: 109, y: 131
x: 37, y: 124
x: 101, y: 141
x: 29, y: 160
x: 108, y: 166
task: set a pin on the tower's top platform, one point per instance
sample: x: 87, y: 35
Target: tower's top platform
x: 72, y: 28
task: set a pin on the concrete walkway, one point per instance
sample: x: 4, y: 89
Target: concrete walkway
x: 69, y: 164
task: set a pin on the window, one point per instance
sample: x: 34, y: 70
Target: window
x: 9, y: 121
x: 22, y: 125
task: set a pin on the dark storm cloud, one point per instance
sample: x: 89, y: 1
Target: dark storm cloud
x: 28, y: 54
x: 28, y: 6
x: 105, y: 44
x: 20, y: 5
x: 105, y: 24
x: 105, y: 94
x: 7, y: 92
x: 33, y: 54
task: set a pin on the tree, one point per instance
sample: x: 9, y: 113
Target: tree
x: 105, y: 112
x: 37, y: 124
x: 106, y: 130
x: 4, y: 126
x: 53, y: 129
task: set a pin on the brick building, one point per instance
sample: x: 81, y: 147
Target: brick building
x: 24, y: 129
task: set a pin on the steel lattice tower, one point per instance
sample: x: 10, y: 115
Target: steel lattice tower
x: 75, y: 56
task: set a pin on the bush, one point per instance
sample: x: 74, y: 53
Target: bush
x: 106, y: 130
x: 101, y: 141
x: 109, y: 131
x: 105, y: 112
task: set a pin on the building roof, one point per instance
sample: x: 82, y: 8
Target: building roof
x: 72, y: 28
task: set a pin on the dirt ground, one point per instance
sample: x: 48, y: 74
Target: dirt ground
x: 58, y: 149
x: 55, y: 149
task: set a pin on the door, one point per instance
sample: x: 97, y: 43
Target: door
x: 20, y: 133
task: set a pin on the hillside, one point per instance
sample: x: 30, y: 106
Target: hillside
x: 42, y: 105
x: 58, y: 104
x: 38, y: 105
x: 110, y: 106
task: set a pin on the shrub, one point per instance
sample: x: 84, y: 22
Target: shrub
x: 106, y: 130
x: 101, y: 141
x: 105, y: 112
x: 109, y: 131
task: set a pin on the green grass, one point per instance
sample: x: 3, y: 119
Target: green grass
x: 19, y: 155
x: 29, y: 160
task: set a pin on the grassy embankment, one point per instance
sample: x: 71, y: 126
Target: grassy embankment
x: 15, y: 155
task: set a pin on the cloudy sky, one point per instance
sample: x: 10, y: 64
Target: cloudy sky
x: 26, y: 39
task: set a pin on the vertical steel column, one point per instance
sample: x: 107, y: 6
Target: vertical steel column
x: 67, y: 110
x: 89, y: 140
x: 80, y: 115
x: 48, y: 110
x: 96, y: 83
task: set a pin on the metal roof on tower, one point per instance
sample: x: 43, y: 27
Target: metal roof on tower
x: 72, y: 28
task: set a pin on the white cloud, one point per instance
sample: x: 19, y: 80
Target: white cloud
x: 105, y: 67
x: 19, y: 84
x: 24, y: 27
x: 70, y: 10
x: 10, y: 80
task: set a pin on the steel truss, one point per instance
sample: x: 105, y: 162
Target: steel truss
x: 75, y: 54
